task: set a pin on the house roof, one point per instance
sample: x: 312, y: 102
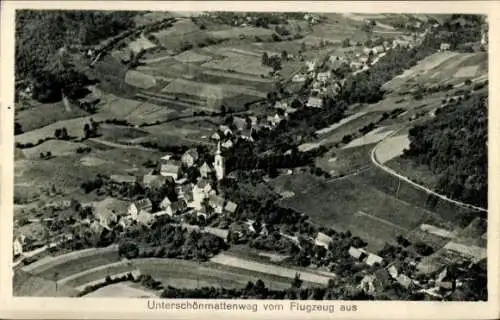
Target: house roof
x: 393, y: 271
x: 372, y: 259
x: 323, y: 239
x: 356, y: 253
x: 205, y: 167
x: 145, y: 217
x: 227, y: 144
x: 153, y: 180
x: 193, y: 153
x: 110, y: 206
x: 216, y: 200
x: 202, y: 183
x: 239, y: 122
x: 231, y: 206
x: 404, y: 280
x: 215, y: 136
x: 314, y: 102
x: 178, y: 205
x: 165, y: 201
x: 224, y: 128
x: 143, y: 204
x: 170, y: 168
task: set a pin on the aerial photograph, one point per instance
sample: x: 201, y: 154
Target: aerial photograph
x: 250, y: 155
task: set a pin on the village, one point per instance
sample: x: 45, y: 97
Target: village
x: 201, y: 189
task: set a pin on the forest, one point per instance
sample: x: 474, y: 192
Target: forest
x: 454, y: 147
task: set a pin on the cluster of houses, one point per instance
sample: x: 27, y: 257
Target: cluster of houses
x: 200, y: 197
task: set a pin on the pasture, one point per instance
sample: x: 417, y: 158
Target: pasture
x: 344, y: 161
x: 239, y: 33
x: 192, y: 57
x: 241, y: 63
x: 370, y: 138
x: 139, y: 79
x: 208, y: 90
x: 391, y: 147
x: 57, y: 148
x: 96, y: 274
x: 413, y: 171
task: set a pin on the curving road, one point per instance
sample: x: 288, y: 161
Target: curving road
x: 377, y: 163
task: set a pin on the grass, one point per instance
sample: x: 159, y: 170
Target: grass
x: 100, y: 272
x: 139, y: 79
x: 208, y: 90
x: 241, y: 63
x: 187, y: 274
x: 340, y: 129
x: 76, y: 261
x: 192, y: 57
x: 236, y: 33
x: 58, y: 148
x: 121, y: 290
x: 336, y: 203
x: 414, y: 171
x: 343, y: 161
x: 74, y: 127
x: 120, y: 133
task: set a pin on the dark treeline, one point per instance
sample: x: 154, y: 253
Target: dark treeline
x: 453, y: 146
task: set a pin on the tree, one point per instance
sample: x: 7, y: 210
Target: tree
x: 86, y: 131
x: 284, y: 55
x: 18, y: 129
x: 64, y: 134
x: 57, y: 133
x: 346, y: 43
x: 265, y: 59
x: 303, y: 47
x: 297, y: 282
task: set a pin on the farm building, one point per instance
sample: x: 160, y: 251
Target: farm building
x: 323, y: 240
x: 311, y: 65
x: 373, y: 259
x: 165, y: 203
x: 405, y: 281
x: 281, y: 105
x: 228, y: 144
x: 314, y: 102
x: 139, y: 205
x: 190, y: 157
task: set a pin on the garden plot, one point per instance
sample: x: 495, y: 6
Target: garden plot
x: 391, y: 148
x: 240, y: 63
x: 371, y: 137
x: 139, y: 79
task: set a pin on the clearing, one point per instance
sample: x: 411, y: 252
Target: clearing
x: 391, y: 148
x: 121, y: 290
x: 41, y: 115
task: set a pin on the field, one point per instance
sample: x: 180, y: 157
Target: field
x: 120, y: 290
x: 44, y: 114
x: 370, y: 138
x: 354, y: 204
x: 57, y: 148
x: 344, y: 161
x: 71, y: 263
x: 211, y: 92
x: 237, y: 33
x: 25, y: 284
x: 391, y: 148
x: 192, y: 57
x: 92, y: 275
x: 442, y: 68
x: 141, y: 43
x: 413, y: 171
x: 189, y: 274
x: 275, y: 270
x: 139, y: 79
x: 241, y: 63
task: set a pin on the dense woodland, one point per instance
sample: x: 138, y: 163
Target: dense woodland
x: 454, y: 147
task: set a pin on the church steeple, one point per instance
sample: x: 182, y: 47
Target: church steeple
x: 219, y: 163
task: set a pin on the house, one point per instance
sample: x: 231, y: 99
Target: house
x: 109, y: 210
x: 274, y: 120
x: 176, y: 207
x: 205, y: 170
x: 145, y: 218
x: 171, y: 169
x: 254, y: 120
x: 185, y: 191
x: 201, y: 191
x: 240, y: 123
x: 202, y: 212
x: 378, y: 49
x: 225, y: 130
x: 444, y: 46
x: 153, y: 181
x: 358, y: 254
x: 367, y: 284
x: 230, y: 207
x: 165, y: 203
x: 97, y: 229
x: 138, y: 206
x: 281, y: 105
x: 17, y: 246
x: 228, y: 144
x: 393, y: 271
x: 405, y: 281
x: 324, y: 76
x: 323, y: 240
x: 299, y: 78
x: 373, y: 259
x: 314, y: 102
x: 217, y: 203
x: 215, y: 136
x: 190, y: 157
x: 311, y: 65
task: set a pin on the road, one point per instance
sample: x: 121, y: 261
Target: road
x: 375, y: 161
